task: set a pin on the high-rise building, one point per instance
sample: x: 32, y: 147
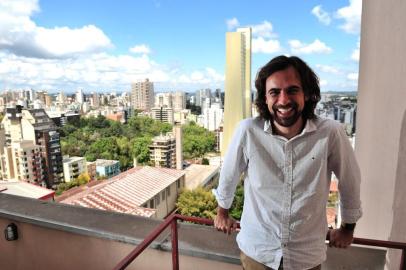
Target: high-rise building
x: 163, y: 114
x: 142, y: 95
x: 237, y: 104
x: 38, y: 127
x: 213, y: 117
x: 94, y: 100
x: 35, y: 125
x: 201, y: 95
x: 163, y: 151
x: 179, y: 101
x: 80, y: 97
x: 164, y: 100
x: 22, y: 161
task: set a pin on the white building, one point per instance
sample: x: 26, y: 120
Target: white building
x: 163, y: 114
x: 80, y: 97
x: 212, y: 117
x: 73, y: 167
x: 163, y: 100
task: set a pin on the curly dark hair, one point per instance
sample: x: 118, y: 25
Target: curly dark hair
x: 309, y: 80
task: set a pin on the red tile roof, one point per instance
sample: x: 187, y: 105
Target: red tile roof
x: 127, y: 191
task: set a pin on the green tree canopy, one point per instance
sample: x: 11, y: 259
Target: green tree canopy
x: 197, y: 203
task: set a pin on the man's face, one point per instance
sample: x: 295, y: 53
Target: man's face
x: 285, y: 97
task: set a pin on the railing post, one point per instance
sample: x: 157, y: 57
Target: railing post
x: 402, y: 260
x: 174, y: 236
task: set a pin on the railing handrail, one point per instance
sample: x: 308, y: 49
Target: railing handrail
x: 172, y: 220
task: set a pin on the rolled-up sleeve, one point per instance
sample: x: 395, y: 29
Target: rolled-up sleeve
x: 345, y: 167
x: 235, y: 163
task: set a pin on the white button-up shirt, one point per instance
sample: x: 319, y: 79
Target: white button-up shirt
x: 286, y: 188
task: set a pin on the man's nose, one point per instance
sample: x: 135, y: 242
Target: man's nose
x: 283, y: 98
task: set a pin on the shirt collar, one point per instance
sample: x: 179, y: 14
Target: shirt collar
x: 309, y: 127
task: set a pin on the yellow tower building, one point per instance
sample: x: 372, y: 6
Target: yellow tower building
x: 237, y: 104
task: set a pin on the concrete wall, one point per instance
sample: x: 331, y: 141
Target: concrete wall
x: 381, y: 119
x: 42, y: 248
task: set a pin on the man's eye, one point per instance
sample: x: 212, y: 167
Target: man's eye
x: 273, y: 93
x: 292, y: 91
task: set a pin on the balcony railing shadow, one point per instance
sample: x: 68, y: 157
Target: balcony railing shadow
x: 173, y: 219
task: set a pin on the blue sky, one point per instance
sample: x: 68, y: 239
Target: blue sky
x: 180, y: 45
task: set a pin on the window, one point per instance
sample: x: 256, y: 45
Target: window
x: 168, y: 191
x: 178, y: 183
x: 152, y: 203
x: 163, y: 195
x: 158, y: 200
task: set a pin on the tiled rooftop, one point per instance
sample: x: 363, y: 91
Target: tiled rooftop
x: 126, y: 192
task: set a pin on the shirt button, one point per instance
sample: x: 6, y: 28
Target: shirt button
x: 285, y: 245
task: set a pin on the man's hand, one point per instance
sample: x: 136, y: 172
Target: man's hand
x: 340, y: 238
x: 223, y: 222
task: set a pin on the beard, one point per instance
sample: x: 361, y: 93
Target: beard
x: 289, y: 120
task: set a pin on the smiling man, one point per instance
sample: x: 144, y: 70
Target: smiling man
x: 287, y: 156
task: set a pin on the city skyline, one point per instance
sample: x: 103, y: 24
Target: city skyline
x: 104, y: 46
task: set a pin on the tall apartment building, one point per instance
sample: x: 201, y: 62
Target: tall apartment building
x: 201, y: 95
x: 164, y: 100
x: 212, y: 117
x: 142, y: 95
x: 35, y: 125
x: 80, y: 97
x: 163, y: 151
x: 22, y: 161
x: 179, y: 101
x: 163, y: 114
x: 237, y: 104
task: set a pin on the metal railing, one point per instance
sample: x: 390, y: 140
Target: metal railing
x: 172, y: 221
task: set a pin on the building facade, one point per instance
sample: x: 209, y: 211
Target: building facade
x: 73, y: 167
x: 237, y: 104
x: 22, y: 161
x: 142, y: 95
x: 36, y: 126
x: 163, y: 114
x: 107, y: 168
x: 163, y: 151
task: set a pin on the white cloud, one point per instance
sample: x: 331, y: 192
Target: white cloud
x: 328, y: 69
x: 91, y: 72
x: 260, y: 45
x: 140, y: 49
x: 352, y: 76
x: 37, y: 57
x: 232, y: 24
x: 263, y: 30
x: 356, y: 52
x: 201, y: 77
x: 317, y: 46
x: 352, y: 16
x: 21, y: 36
x: 322, y: 16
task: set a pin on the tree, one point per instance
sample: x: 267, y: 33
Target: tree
x: 83, y: 179
x: 197, y: 203
x: 238, y: 202
x: 205, y: 161
x: 140, y: 149
x: 197, y: 141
